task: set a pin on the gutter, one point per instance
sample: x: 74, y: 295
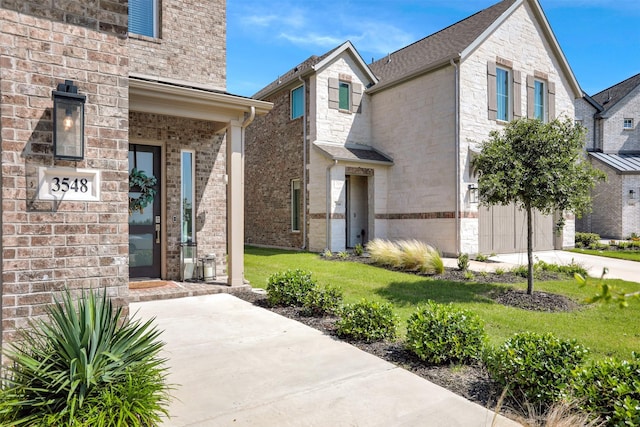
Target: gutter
x: 335, y: 162
x: 304, y: 165
x: 457, y: 156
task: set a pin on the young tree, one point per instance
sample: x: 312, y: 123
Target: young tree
x: 539, y: 166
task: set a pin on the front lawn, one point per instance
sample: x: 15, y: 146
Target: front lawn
x: 632, y: 255
x: 606, y: 329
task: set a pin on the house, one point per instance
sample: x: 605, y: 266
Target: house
x: 613, y: 143
x: 353, y: 151
x: 66, y: 220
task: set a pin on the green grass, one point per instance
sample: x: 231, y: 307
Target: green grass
x: 633, y: 255
x: 605, y: 329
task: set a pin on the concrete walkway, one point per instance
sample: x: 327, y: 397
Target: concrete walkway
x: 240, y: 365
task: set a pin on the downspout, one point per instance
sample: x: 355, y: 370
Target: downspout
x: 335, y: 162
x: 304, y: 165
x: 457, y: 156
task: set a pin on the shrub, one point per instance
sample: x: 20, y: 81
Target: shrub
x: 327, y: 253
x: 482, y: 258
x: 367, y: 321
x: 499, y: 271
x: 358, y: 249
x: 463, y: 262
x: 535, y: 367
x: 289, y: 288
x: 343, y: 255
x: 568, y: 269
x: 521, y: 270
x: 85, y: 365
x: 586, y: 239
x: 322, y: 300
x: 439, y: 333
x: 611, y: 389
x: 384, y: 252
x: 468, y: 275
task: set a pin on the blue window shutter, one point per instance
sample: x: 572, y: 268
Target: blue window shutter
x: 142, y: 17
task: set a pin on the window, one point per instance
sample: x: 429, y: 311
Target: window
x: 297, y: 102
x: 539, y: 104
x: 187, y: 175
x: 503, y: 94
x: 344, y: 96
x: 628, y: 124
x: 295, y: 205
x: 143, y: 17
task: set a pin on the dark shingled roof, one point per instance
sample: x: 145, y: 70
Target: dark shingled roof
x: 438, y: 47
x: 611, y: 96
x: 623, y: 163
x: 353, y: 153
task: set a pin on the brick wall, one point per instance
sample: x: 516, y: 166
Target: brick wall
x: 48, y: 246
x: 177, y: 134
x: 192, y: 38
x: 607, y: 197
x: 273, y: 157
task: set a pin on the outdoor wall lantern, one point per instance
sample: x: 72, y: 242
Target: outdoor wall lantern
x: 473, y: 193
x: 68, y: 122
x: 632, y: 194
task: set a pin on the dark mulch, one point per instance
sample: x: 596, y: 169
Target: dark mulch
x: 471, y: 382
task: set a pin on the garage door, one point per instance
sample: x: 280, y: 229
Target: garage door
x: 503, y: 229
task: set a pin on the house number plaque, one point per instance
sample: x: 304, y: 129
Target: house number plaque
x: 68, y: 184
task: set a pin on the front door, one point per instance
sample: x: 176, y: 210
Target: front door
x: 357, y: 211
x: 144, y: 211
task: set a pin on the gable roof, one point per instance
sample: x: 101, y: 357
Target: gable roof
x: 456, y: 42
x: 609, y: 97
x: 313, y: 64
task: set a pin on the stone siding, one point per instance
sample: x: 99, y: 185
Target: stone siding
x: 273, y: 157
x: 191, y: 47
x: 176, y: 134
x: 606, y: 217
x: 49, y: 246
x: 584, y: 114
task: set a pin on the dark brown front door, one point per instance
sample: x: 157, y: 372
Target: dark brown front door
x: 145, y: 221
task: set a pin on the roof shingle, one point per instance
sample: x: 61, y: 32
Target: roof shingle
x: 611, y: 96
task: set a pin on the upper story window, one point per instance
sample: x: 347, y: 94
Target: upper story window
x: 297, y: 102
x: 503, y: 94
x: 539, y: 100
x: 143, y: 17
x: 627, y: 124
x: 344, y: 96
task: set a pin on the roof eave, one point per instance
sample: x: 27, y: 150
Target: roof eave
x: 346, y: 46
x: 420, y: 71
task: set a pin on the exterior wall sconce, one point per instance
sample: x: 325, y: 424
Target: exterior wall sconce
x: 68, y: 122
x: 632, y: 194
x: 473, y: 193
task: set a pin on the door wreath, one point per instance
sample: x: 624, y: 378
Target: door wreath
x: 139, y: 182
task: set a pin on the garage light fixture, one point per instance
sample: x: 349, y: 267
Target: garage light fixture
x: 473, y: 193
x: 68, y: 122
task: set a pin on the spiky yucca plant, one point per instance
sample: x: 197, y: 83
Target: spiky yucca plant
x: 85, y: 366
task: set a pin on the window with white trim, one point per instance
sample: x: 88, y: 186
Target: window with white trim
x: 295, y: 205
x: 503, y: 94
x: 143, y: 17
x: 627, y: 124
x: 297, y: 102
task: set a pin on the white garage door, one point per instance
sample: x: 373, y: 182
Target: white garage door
x: 503, y: 229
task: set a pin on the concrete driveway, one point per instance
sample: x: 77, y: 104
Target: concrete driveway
x: 240, y: 365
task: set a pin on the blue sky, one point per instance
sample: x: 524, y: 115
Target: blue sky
x: 600, y: 38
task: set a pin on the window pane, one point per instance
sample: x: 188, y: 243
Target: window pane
x: 344, y: 102
x: 142, y: 17
x: 186, y: 200
x: 295, y: 205
x: 502, y: 89
x: 538, y: 106
x: 297, y: 102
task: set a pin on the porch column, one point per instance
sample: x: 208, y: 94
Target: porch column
x: 235, y: 204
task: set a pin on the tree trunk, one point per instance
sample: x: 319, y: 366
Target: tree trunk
x: 529, y: 249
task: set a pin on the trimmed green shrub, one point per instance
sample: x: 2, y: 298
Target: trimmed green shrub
x: 322, y: 300
x: 584, y: 240
x: 289, y: 288
x: 611, y: 389
x: 463, y: 262
x: 367, y: 321
x: 439, y: 333
x: 85, y: 366
x: 568, y: 269
x: 358, y: 250
x: 535, y: 367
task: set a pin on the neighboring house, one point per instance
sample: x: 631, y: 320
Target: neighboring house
x: 353, y: 151
x: 613, y: 142
x: 156, y: 101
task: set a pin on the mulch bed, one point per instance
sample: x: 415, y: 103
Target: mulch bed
x: 470, y: 382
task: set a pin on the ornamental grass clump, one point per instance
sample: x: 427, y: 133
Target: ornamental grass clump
x: 385, y: 252
x: 408, y: 255
x: 87, y: 365
x: 442, y: 333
